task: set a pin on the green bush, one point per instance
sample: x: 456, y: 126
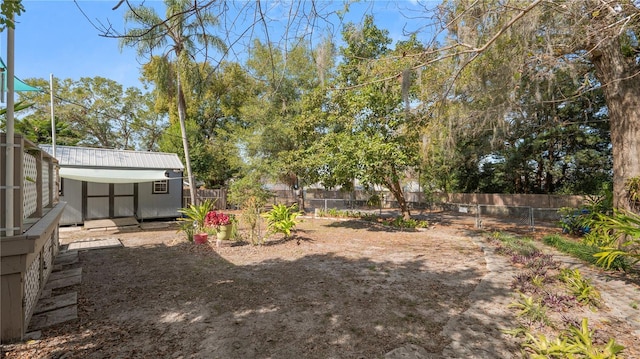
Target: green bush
x: 400, y: 222
x: 530, y: 308
x: 622, y: 228
x: 510, y: 245
x: 374, y: 201
x: 582, y: 344
x: 250, y: 215
x: 580, y: 287
x: 573, y: 343
x: 578, y: 221
x: 282, y: 219
x: 242, y: 190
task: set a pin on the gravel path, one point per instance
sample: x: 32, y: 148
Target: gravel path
x: 477, y: 332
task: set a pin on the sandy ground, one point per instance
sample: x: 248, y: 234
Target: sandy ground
x: 340, y: 289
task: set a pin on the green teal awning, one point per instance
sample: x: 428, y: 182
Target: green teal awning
x: 18, y: 85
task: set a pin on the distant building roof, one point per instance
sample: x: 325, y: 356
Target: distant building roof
x: 71, y: 156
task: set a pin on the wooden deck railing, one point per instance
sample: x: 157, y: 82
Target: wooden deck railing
x: 30, y: 243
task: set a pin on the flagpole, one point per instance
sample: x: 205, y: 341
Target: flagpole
x: 9, y: 163
x: 53, y: 119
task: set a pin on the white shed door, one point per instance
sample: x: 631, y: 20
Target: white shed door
x: 123, y: 205
x: 105, y: 200
x: 97, y: 200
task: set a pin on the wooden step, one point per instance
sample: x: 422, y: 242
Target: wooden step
x: 63, y: 282
x: 56, y: 302
x: 57, y: 316
x: 65, y: 273
x: 66, y: 258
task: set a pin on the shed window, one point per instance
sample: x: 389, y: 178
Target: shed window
x: 160, y: 187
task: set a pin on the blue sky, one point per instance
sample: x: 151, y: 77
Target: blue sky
x: 56, y: 37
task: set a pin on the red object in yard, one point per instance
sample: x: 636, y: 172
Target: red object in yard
x: 200, y: 238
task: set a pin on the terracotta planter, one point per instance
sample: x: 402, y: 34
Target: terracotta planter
x: 224, y: 232
x: 200, y: 238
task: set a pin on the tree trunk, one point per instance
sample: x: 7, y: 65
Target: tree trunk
x: 540, y: 185
x: 396, y: 189
x: 550, y: 186
x: 182, y: 114
x: 619, y: 77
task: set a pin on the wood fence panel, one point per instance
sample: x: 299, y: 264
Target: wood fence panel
x: 219, y: 196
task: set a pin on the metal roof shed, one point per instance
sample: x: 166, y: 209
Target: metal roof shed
x: 100, y: 183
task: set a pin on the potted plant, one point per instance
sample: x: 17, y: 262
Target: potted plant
x: 194, y: 221
x: 220, y: 224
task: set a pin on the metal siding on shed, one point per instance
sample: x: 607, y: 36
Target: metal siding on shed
x: 160, y: 205
x: 99, y: 157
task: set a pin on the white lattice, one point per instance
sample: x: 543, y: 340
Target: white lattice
x: 46, y: 169
x: 30, y: 173
x: 55, y: 238
x: 47, y: 255
x: 31, y: 288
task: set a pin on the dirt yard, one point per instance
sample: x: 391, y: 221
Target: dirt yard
x: 340, y: 289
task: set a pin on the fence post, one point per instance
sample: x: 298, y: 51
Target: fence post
x: 478, y: 218
x: 531, y: 221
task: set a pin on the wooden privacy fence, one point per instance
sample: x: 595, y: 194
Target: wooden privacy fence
x: 218, y: 196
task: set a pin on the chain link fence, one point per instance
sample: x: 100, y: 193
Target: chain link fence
x: 520, y: 211
x: 518, y: 216
x: 482, y: 215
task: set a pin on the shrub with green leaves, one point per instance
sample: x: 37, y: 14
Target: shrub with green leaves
x: 510, y: 245
x: 333, y: 212
x: 398, y: 222
x: 543, y: 347
x: 578, y: 220
x: 582, y: 344
x: 530, y: 308
x: 374, y: 201
x: 622, y: 228
x: 573, y: 221
x: 242, y: 190
x: 338, y: 213
x: 573, y: 343
x: 580, y: 287
x: 250, y: 216
x: 401, y: 222
x: 585, y: 250
x: 282, y: 219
